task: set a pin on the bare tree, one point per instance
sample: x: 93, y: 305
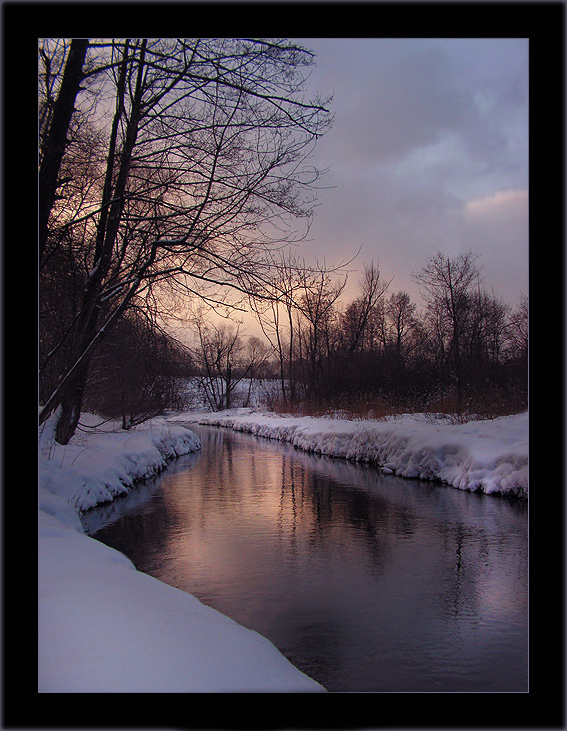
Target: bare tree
x: 318, y: 310
x: 214, y: 357
x: 488, y: 329
x: 206, y: 167
x: 55, y: 118
x: 401, y: 314
x: 358, y: 314
x: 224, y: 360
x: 135, y: 374
x: 447, y: 286
x: 519, y: 329
x: 277, y: 315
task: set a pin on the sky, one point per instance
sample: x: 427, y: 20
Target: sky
x: 428, y: 151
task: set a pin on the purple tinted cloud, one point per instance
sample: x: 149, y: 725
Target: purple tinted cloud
x: 423, y: 128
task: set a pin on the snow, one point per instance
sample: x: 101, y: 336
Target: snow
x: 490, y: 456
x: 103, y: 461
x: 106, y: 627
x: 103, y: 626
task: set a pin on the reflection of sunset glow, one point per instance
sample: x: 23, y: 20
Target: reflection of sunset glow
x: 261, y: 494
x: 334, y: 561
x: 499, y: 594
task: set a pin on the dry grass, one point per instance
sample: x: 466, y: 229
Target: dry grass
x: 354, y: 409
x: 488, y: 403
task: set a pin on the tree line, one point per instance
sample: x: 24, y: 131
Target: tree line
x: 466, y: 351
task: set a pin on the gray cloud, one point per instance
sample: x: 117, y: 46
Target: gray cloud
x: 427, y: 132
x: 404, y: 107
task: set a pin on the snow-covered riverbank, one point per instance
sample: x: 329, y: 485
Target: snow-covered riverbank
x: 105, y: 627
x: 486, y: 455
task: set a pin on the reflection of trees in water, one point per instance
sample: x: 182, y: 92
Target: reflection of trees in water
x: 231, y: 476
x: 322, y: 501
x: 293, y: 541
x: 342, y: 513
x: 480, y: 537
x: 304, y: 494
x: 318, y: 504
x: 346, y: 503
x: 476, y: 558
x: 290, y: 507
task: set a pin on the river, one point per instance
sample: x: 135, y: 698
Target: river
x: 366, y: 582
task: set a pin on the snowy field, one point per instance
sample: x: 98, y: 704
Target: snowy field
x: 106, y: 627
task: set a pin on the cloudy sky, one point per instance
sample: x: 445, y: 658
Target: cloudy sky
x: 428, y: 151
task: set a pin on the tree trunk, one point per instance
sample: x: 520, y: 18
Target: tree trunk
x: 228, y: 382
x: 87, y: 330
x: 57, y: 138
x: 70, y: 407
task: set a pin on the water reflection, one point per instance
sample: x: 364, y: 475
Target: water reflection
x: 367, y: 582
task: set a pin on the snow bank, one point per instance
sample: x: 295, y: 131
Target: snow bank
x: 103, y: 626
x: 103, y: 461
x: 486, y: 455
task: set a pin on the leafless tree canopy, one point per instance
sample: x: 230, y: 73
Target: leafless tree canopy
x: 465, y: 352
x: 167, y: 167
x: 224, y: 358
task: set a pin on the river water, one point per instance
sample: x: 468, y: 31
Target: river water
x: 366, y: 582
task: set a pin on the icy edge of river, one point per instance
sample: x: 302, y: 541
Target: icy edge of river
x: 490, y: 456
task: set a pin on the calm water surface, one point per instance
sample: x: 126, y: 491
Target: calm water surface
x: 366, y: 582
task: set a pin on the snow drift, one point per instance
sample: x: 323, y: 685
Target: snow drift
x: 486, y: 455
x: 103, y: 461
